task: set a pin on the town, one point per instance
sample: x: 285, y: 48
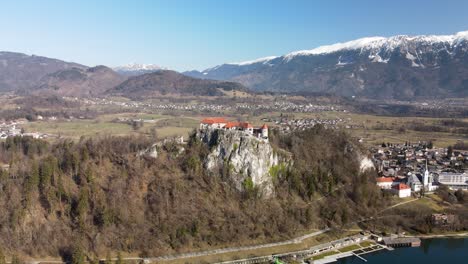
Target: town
x: 411, y: 169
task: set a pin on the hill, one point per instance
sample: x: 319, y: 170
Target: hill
x: 19, y: 71
x: 399, y: 67
x: 101, y: 195
x: 166, y: 82
x: 79, y: 81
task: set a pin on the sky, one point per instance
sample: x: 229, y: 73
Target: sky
x: 197, y: 34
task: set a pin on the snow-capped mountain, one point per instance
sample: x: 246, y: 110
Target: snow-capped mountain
x: 133, y: 69
x: 379, y: 67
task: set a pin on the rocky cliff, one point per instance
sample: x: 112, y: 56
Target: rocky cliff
x: 248, y: 161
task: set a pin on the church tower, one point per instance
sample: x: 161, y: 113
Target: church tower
x: 427, y: 182
x: 426, y: 176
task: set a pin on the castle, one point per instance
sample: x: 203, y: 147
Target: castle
x: 222, y: 123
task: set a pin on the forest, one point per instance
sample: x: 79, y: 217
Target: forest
x: 98, y: 196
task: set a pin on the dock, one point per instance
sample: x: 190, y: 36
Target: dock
x: 402, y: 242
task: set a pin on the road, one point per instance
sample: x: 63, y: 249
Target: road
x: 237, y: 249
x: 398, y: 204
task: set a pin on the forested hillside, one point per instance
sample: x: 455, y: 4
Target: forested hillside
x: 99, y: 195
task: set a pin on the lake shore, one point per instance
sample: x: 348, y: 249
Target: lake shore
x: 453, y: 235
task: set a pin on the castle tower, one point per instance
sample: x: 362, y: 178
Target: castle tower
x: 264, y: 131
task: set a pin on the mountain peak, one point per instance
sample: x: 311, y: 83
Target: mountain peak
x: 138, y: 66
x: 133, y: 69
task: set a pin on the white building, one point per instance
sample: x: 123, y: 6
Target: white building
x: 385, y: 183
x: 414, y: 183
x: 402, y: 190
x: 454, y: 181
x: 428, y: 180
x: 215, y: 122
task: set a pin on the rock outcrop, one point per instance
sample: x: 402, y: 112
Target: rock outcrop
x: 247, y: 159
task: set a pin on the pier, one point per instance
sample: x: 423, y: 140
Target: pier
x: 402, y: 242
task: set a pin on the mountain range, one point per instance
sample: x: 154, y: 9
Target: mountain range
x: 30, y: 74
x: 399, y: 67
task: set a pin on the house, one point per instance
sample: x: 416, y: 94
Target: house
x: 402, y: 190
x: 384, y: 182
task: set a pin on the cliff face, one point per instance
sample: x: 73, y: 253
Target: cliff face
x: 245, y: 158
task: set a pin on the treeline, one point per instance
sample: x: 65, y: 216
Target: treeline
x: 100, y: 195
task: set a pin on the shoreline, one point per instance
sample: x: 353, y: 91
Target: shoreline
x: 461, y: 235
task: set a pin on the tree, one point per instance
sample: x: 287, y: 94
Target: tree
x: 430, y: 145
x: 78, y: 256
x: 2, y: 257
x: 460, y: 195
x: 449, y: 151
x: 108, y: 259
x: 119, y: 258
x: 154, y: 133
x: 15, y: 260
x: 136, y: 125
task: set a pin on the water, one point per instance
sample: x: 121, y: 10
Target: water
x: 432, y: 251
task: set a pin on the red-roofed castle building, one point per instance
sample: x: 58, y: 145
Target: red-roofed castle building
x: 222, y: 123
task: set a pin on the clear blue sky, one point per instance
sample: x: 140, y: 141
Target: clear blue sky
x: 195, y: 34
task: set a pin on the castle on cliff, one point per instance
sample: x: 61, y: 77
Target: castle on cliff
x: 222, y: 123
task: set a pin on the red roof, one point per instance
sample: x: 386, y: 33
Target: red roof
x: 213, y: 120
x: 245, y: 125
x: 264, y: 126
x: 384, y: 179
x: 401, y: 186
x: 231, y: 124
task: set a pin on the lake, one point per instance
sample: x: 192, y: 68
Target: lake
x: 432, y: 251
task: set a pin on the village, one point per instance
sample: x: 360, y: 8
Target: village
x: 13, y: 128
x: 414, y: 169
x: 186, y: 105
x: 289, y: 124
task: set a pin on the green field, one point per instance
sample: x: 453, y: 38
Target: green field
x: 165, y: 126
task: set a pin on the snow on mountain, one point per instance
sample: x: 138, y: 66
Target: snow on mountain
x: 350, y: 45
x: 138, y: 67
x: 399, y: 67
x: 260, y: 60
x: 376, y: 43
